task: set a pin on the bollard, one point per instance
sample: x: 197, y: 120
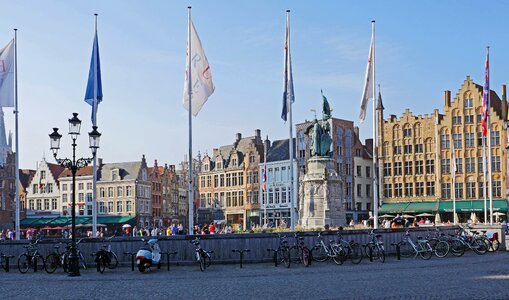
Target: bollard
x: 132, y: 255
x: 241, y: 252
x: 35, y: 263
x: 274, y: 257
x: 7, y: 258
x: 398, y: 251
x: 370, y: 254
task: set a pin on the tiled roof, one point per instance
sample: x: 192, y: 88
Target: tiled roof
x: 88, y: 170
x: 279, y: 150
x: 55, y: 170
x: 127, y: 170
x: 25, y: 176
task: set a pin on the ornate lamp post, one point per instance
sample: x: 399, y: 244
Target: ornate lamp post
x: 74, y: 165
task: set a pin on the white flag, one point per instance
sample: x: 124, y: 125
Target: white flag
x: 7, y: 75
x: 201, y: 77
x: 368, y: 92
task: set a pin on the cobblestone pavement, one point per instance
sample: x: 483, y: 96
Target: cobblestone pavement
x: 468, y: 277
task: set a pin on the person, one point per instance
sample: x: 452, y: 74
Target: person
x: 180, y: 229
x: 212, y: 228
x: 352, y: 223
x: 504, y: 226
x: 427, y: 222
x: 407, y: 223
x: 174, y: 229
x: 228, y: 229
x: 421, y: 221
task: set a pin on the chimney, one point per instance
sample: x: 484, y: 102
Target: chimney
x: 239, y: 136
x: 447, y: 98
x: 504, y: 102
x: 258, y: 134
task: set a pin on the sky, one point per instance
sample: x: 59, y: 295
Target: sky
x: 422, y: 49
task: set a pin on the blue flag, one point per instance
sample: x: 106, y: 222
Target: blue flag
x: 94, y: 93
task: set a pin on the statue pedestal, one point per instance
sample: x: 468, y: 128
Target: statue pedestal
x: 321, y: 195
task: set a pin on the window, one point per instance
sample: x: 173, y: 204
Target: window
x: 89, y: 186
x: 495, y: 163
x: 229, y: 179
x: 277, y: 196
x: 46, y: 204
x: 251, y: 158
x: 43, y: 174
x: 479, y: 118
x: 119, y: 206
x: 407, y: 149
x: 419, y: 188
x: 409, y: 189
x: 446, y: 166
x: 480, y: 163
x: 397, y: 150
x: 481, y: 189
x: 219, y: 165
x: 496, y: 189
x: 408, y: 168
x: 456, y: 120
x: 430, y: 188
x: 419, y: 167
x: 387, y: 169
x: 110, y: 206
x: 359, y: 169
x: 49, y: 187
x: 39, y: 204
x: 128, y: 191
x: 81, y: 197
x: 102, y: 193
x: 480, y: 139
x: 419, y: 148
x: 459, y: 165
x: 359, y: 190
x: 444, y: 141
x: 120, y: 191
x: 469, y: 140
x: 458, y: 190
x: 81, y: 186
x: 64, y: 210
x: 209, y: 181
x: 241, y: 178
x: 469, y: 119
x: 368, y: 172
x: 241, y: 198
x: 89, y: 197
x: 89, y: 210
x: 128, y: 206
x: 368, y: 190
x: 110, y: 192
x: 64, y: 187
x: 221, y: 180
x: 470, y: 189
x: 64, y: 198
x: 398, y: 189
x: 495, y: 138
x: 397, y: 169
x: 470, y: 164
x: 102, y: 208
x: 469, y: 102
x: 216, y: 181
x: 54, y: 204
x: 387, y: 190
x: 446, y: 190
x: 407, y: 132
x: 456, y: 138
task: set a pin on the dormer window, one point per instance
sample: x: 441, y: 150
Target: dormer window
x: 114, y: 175
x: 205, y: 167
x: 219, y: 164
x: 144, y: 175
x: 234, y: 162
x: 43, y: 174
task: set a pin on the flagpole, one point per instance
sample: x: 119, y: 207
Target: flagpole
x: 484, y: 179
x: 488, y: 126
x: 190, y: 162
x: 453, y: 158
x: 265, y: 190
x: 94, y: 182
x: 17, y: 218
x: 289, y: 103
x: 375, y: 187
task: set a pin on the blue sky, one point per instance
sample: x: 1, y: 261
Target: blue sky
x: 422, y: 49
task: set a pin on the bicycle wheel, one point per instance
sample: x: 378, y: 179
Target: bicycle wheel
x: 23, y: 263
x: 201, y: 262
x: 441, y: 249
x: 113, y: 260
x: 286, y: 257
x: 479, y: 246
x: 65, y: 262
x: 52, y: 261
x: 456, y: 247
x: 207, y: 260
x: 406, y: 250
x: 101, y: 260
x: 82, y: 260
x: 355, y: 253
x: 39, y: 262
x: 495, y: 244
x: 295, y: 254
x: 306, y: 260
x: 380, y: 253
x: 339, y: 255
x: 425, y: 250
x: 319, y: 254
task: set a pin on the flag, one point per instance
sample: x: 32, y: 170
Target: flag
x: 264, y: 178
x: 485, y: 110
x: 47, y: 188
x: 368, y: 92
x: 40, y: 185
x: 201, y: 77
x: 288, y: 95
x: 94, y: 93
x: 7, y: 75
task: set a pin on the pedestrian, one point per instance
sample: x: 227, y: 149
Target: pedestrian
x: 174, y: 229
x: 180, y: 229
x: 212, y: 228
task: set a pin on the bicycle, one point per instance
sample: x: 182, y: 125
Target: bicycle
x: 375, y: 247
x: 410, y: 248
x: 56, y: 259
x: 438, y: 243
x: 473, y: 242
x: 202, y: 256
x: 300, y: 251
x: 491, y: 239
x: 351, y: 249
x: 105, y: 258
x: 31, y: 259
x: 322, y: 252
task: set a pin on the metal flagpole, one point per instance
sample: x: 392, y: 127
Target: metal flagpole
x: 17, y: 220
x: 453, y: 158
x: 484, y: 179
x: 375, y: 187
x: 266, y: 190
x: 190, y: 162
x: 94, y: 182
x: 488, y: 125
x: 289, y: 103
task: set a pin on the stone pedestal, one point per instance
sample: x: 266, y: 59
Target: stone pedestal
x: 320, y: 194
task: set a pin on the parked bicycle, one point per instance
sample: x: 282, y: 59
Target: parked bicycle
x: 299, y: 252
x: 351, y: 249
x: 472, y: 241
x: 321, y: 252
x: 105, y: 258
x: 203, y: 257
x: 420, y: 247
x: 375, y: 247
x: 31, y: 259
x: 438, y: 243
x: 56, y: 259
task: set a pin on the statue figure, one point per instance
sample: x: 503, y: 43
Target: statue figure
x: 321, y: 140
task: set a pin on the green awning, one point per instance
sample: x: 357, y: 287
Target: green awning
x: 117, y: 220
x: 422, y: 207
x: 393, y: 208
x: 499, y: 205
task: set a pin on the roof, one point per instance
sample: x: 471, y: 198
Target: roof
x: 55, y: 170
x: 279, y: 150
x: 127, y: 170
x: 25, y: 176
x: 160, y: 168
x: 88, y: 170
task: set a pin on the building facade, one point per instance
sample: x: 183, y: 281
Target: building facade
x: 84, y: 190
x: 364, y: 182
x: 155, y: 174
x: 418, y: 155
x: 228, y: 182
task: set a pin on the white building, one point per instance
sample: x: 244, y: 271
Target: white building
x: 43, y: 194
x: 275, y: 199
x: 363, y: 193
x: 84, y: 190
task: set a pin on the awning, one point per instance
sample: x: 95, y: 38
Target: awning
x: 63, y: 221
x: 422, y: 207
x: 117, y: 220
x: 499, y: 205
x: 393, y: 208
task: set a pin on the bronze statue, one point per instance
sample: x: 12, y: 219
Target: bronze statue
x: 321, y: 139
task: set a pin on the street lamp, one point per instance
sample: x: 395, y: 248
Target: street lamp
x: 74, y: 165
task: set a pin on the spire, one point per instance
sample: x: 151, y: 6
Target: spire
x: 380, y: 104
